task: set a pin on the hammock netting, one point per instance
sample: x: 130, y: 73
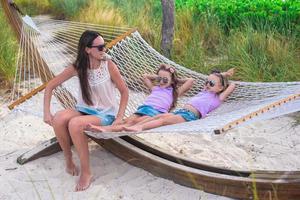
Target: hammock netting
x: 56, y: 42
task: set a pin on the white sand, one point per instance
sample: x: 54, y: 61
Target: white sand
x: 45, y: 178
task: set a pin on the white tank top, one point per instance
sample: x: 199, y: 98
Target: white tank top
x: 103, y: 90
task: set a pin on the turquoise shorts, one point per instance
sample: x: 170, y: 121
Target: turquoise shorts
x: 147, y: 110
x: 187, y: 115
x: 105, y: 118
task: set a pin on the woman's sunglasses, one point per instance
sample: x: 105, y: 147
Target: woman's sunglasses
x: 164, y: 79
x: 100, y: 47
x: 211, y: 83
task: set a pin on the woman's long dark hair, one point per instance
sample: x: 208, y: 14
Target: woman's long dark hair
x: 174, y: 80
x: 82, y: 63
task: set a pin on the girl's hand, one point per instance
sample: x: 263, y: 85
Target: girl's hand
x: 230, y: 72
x: 48, y: 118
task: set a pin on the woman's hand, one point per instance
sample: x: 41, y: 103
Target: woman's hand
x: 118, y: 121
x: 48, y: 118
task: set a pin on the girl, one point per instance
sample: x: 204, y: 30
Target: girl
x: 97, y: 103
x: 216, y: 90
x: 163, y: 97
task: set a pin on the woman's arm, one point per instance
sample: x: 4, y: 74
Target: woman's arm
x: 187, y: 84
x: 52, y: 84
x: 148, y: 80
x: 122, y: 87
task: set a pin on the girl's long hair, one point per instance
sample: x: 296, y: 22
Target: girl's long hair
x: 174, y: 80
x: 82, y: 63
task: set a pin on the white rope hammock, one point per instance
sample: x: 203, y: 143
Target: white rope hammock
x: 56, y: 42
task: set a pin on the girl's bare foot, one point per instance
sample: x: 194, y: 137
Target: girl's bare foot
x: 136, y: 128
x: 84, y: 182
x: 94, y: 128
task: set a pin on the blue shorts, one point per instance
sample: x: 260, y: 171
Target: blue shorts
x: 147, y: 110
x: 186, y: 114
x: 105, y: 118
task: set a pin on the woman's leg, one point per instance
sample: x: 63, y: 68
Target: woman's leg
x: 162, y: 120
x: 80, y: 140
x: 60, y: 125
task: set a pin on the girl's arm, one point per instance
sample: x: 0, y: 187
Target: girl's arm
x: 122, y: 87
x: 187, y: 84
x: 52, y: 84
x: 227, y: 92
x: 231, y: 86
x: 148, y: 80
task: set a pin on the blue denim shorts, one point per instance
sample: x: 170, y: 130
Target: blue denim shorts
x: 186, y: 114
x: 147, y: 110
x: 105, y: 118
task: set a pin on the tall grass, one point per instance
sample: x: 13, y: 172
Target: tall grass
x: 146, y: 15
x: 263, y: 56
x: 67, y: 8
x: 197, y: 42
x: 9, y: 50
x: 100, y: 13
x: 34, y: 7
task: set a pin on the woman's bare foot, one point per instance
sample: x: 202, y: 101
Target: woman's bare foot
x: 84, y: 182
x: 136, y: 128
x: 72, y: 169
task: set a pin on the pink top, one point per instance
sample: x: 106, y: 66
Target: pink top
x: 205, y: 102
x: 160, y: 98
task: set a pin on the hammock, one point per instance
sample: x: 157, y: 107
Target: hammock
x: 55, y: 41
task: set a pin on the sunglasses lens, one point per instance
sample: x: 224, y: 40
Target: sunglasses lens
x: 210, y: 83
x: 101, y: 47
x: 165, y: 80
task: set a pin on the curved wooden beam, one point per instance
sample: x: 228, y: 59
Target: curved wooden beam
x: 270, y: 186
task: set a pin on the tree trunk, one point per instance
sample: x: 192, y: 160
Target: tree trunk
x: 168, y: 8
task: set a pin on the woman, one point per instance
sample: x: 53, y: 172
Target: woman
x: 97, y: 103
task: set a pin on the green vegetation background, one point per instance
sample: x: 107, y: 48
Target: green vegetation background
x: 261, y: 38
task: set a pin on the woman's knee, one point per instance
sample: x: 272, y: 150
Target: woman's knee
x: 60, y: 119
x: 76, y: 124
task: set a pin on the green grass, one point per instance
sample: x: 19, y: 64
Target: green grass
x: 67, y: 8
x: 263, y: 56
x: 8, y: 53
x: 34, y: 7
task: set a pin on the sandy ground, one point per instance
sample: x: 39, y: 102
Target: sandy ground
x: 45, y: 178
